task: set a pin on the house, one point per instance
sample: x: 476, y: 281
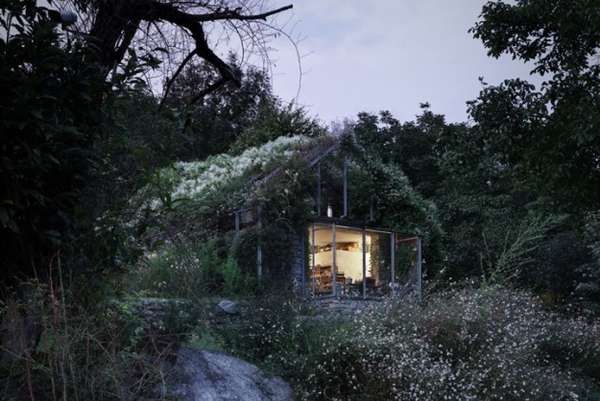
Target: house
x: 339, y: 248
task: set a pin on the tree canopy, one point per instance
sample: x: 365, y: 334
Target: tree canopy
x: 548, y: 134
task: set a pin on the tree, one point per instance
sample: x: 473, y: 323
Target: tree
x: 47, y: 120
x: 550, y: 135
x: 61, y: 86
x: 176, y: 31
x: 410, y: 145
x: 213, y: 124
x: 546, y: 140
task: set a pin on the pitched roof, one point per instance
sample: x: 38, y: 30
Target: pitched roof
x: 323, y: 147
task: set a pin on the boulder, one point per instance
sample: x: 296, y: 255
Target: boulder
x: 228, y: 307
x: 213, y: 376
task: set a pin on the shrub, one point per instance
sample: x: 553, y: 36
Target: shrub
x: 68, y: 351
x: 483, y: 345
x: 273, y: 336
x: 486, y: 344
x: 191, y: 271
x: 233, y: 281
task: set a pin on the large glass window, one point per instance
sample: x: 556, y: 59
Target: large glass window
x: 346, y: 261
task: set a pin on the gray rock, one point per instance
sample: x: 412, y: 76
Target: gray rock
x: 213, y: 376
x: 228, y: 307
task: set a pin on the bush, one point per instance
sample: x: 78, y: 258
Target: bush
x: 273, y: 336
x: 483, y: 345
x: 49, y: 120
x: 190, y: 271
x: 55, y: 349
x: 487, y: 344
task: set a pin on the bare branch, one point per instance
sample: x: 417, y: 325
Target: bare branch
x: 115, y: 24
x: 235, y: 15
x: 209, y: 89
x: 166, y: 12
x: 170, y: 81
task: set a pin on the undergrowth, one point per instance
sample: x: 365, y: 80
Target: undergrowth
x: 484, y: 344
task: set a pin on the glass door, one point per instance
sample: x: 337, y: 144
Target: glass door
x: 354, y: 262
x: 378, y: 274
x: 406, y: 262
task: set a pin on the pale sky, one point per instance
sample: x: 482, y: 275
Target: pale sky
x: 386, y: 54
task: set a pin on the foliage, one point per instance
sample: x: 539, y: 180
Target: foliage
x: 60, y: 350
x: 567, y: 43
x: 504, y: 262
x: 482, y: 198
x: 537, y: 146
x: 105, y: 173
x: 590, y: 286
x: 275, y: 120
x: 189, y: 271
x: 410, y: 145
x: 549, y: 135
x: 273, y: 336
x: 212, y: 124
x: 48, y: 118
x: 199, y: 198
x: 205, y: 339
x: 217, y: 182
x: 465, y: 344
x: 200, y: 178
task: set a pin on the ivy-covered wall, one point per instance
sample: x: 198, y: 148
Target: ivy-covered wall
x: 198, y: 200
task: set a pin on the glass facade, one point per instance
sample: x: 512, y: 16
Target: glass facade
x: 354, y: 262
x: 321, y: 259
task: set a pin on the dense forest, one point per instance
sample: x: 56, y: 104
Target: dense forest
x: 108, y: 108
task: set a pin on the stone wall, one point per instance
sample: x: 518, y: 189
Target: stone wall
x: 298, y: 264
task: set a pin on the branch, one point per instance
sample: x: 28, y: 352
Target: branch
x: 167, y: 12
x: 175, y: 75
x: 210, y: 88
x: 200, y: 95
x: 117, y: 21
x: 235, y: 15
x: 128, y: 35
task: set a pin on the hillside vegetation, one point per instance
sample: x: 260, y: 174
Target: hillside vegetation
x: 117, y: 229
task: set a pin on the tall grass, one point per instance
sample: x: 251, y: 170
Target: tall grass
x: 56, y: 349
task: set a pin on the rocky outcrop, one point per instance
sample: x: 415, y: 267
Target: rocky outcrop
x: 213, y: 376
x: 228, y: 307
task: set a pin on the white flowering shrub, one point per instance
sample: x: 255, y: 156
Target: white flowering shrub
x: 197, y: 180
x: 467, y: 345
x: 493, y: 344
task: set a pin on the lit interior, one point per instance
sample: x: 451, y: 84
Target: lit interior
x: 348, y: 260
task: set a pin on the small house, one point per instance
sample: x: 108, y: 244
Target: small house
x: 341, y: 246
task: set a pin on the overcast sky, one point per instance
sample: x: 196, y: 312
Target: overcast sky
x: 387, y: 54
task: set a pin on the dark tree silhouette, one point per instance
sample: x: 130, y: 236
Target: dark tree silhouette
x: 174, y: 32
